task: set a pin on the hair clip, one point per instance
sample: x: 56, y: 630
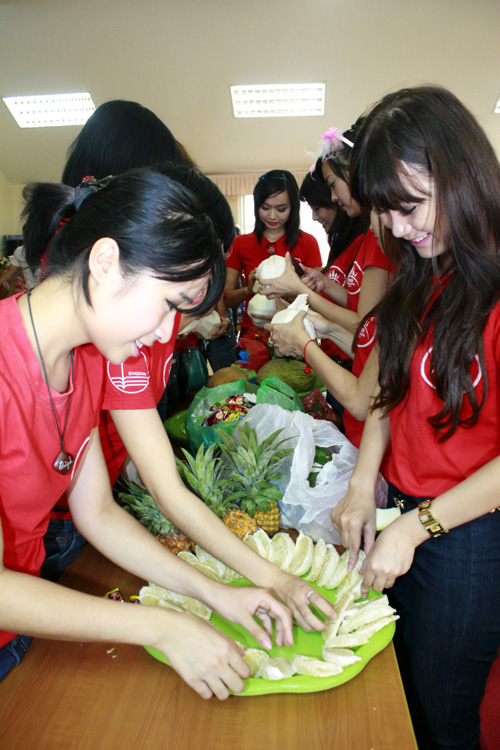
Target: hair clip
x: 333, y: 134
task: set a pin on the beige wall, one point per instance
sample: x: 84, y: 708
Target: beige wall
x: 10, y: 207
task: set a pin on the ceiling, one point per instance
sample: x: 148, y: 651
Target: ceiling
x: 179, y: 58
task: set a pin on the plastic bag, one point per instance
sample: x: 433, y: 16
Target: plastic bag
x: 271, y: 391
x: 303, y: 507
x: 199, y: 409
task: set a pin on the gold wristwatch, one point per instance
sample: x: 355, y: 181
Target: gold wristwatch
x: 427, y: 519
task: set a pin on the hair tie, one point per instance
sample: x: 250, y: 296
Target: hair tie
x: 88, y: 186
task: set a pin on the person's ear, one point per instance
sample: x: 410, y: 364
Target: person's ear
x: 104, y: 259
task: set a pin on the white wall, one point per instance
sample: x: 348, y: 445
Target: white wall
x: 10, y: 207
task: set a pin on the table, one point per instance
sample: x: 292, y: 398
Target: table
x: 83, y: 695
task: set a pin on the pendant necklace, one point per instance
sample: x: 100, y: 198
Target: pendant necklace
x: 64, y: 460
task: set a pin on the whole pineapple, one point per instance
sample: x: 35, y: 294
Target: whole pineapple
x: 253, y: 470
x: 203, y: 474
x: 139, y: 503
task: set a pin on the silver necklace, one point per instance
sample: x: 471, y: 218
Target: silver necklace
x: 64, y: 460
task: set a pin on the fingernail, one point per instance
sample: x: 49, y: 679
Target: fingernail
x: 266, y: 643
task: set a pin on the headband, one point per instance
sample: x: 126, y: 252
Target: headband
x: 332, y: 142
x: 275, y: 177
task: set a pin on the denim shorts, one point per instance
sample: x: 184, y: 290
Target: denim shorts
x: 448, y: 634
x: 12, y: 653
x: 63, y: 543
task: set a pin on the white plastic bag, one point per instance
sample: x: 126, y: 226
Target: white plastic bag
x: 303, y: 507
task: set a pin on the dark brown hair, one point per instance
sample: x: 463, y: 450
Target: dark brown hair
x: 428, y: 128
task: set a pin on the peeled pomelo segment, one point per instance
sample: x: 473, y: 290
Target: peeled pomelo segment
x: 255, y: 657
x: 277, y: 668
x: 255, y: 544
x: 315, y: 667
x: 303, y: 555
x: 343, y: 657
x: 267, y: 544
x: 284, y: 550
x: 385, y: 516
x: 318, y: 560
x: 329, y: 567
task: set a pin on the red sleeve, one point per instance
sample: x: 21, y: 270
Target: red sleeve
x: 139, y: 382
x: 308, y: 251
x: 374, y: 256
x: 233, y: 257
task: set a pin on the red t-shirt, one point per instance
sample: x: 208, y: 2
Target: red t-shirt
x: 369, y: 254
x: 29, y: 441
x: 247, y: 253
x: 137, y: 383
x: 421, y: 466
x: 338, y: 272
x: 366, y: 341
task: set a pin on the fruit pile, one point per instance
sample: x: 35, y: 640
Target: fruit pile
x: 236, y: 479
x: 354, y: 625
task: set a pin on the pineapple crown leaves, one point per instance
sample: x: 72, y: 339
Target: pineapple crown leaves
x: 248, y: 457
x: 141, y: 505
x: 202, y: 474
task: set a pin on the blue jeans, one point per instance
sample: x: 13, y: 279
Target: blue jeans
x: 63, y: 543
x: 449, y: 631
x: 12, y: 653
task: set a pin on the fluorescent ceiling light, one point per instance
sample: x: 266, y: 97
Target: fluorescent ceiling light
x: 279, y: 100
x: 50, y: 111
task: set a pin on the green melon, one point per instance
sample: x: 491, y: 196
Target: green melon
x: 290, y: 371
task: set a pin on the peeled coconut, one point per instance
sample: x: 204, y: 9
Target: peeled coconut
x: 260, y: 305
x: 270, y: 268
x: 298, y: 305
x: 204, y: 326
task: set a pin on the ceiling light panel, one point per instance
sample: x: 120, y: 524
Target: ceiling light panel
x: 50, y: 111
x: 279, y: 100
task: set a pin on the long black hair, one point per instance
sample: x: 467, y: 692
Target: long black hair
x: 428, y: 128
x: 160, y: 226
x: 314, y: 190
x: 120, y: 135
x: 270, y: 183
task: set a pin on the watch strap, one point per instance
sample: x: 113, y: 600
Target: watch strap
x: 427, y: 519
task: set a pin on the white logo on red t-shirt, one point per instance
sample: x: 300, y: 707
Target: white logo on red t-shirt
x: 368, y: 333
x: 428, y: 374
x: 354, y: 279
x: 166, y: 370
x: 131, y: 376
x: 337, y: 275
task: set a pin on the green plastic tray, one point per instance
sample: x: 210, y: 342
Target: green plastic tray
x: 309, y: 644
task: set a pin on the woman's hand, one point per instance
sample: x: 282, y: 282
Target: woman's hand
x: 322, y: 325
x: 391, y: 556
x: 252, y: 278
x: 287, y: 283
x: 209, y: 661
x: 241, y: 604
x: 293, y: 591
x: 223, y: 327
x: 289, y: 338
x: 354, y: 518
x: 314, y: 279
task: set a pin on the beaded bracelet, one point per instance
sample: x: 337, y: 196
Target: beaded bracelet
x: 308, y: 367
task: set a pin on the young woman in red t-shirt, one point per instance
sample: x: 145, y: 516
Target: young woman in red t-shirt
x: 277, y: 232
x: 425, y: 165
x: 135, y: 249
